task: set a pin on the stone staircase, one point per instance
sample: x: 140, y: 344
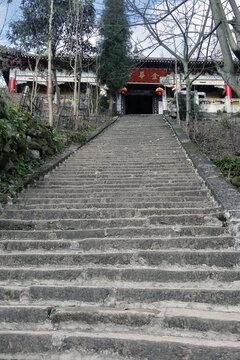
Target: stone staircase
x: 120, y: 253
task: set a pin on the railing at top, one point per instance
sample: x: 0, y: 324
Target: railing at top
x: 218, y: 101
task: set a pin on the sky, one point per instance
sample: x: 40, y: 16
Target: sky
x: 14, y: 12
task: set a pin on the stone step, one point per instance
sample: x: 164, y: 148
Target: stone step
x: 105, y: 200
x: 39, y: 214
x: 142, y: 347
x: 183, y: 318
x: 71, y: 223
x: 106, y: 244
x: 132, y: 182
x: 164, y: 231
x: 24, y: 314
x: 93, y: 315
x: 149, y: 206
x: 128, y: 293
x: 65, y: 355
x: 140, y: 193
x: 123, y: 273
x: 157, y: 173
x: 202, y: 320
x: 228, y: 259
x: 102, y: 188
x: 81, y: 314
x: 147, y: 176
x: 78, y: 223
x: 126, y: 167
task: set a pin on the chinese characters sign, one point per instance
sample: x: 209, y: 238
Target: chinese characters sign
x: 151, y: 76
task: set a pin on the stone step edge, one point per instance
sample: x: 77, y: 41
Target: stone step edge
x: 126, y: 343
x: 182, y: 318
x: 120, y: 267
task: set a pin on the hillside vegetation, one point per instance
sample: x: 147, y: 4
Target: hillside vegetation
x: 26, y: 143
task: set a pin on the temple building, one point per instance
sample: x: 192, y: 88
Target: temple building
x: 140, y: 96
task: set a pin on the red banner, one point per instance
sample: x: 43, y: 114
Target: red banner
x: 151, y: 76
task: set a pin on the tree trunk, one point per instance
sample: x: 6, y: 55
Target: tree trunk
x: 34, y: 84
x: 228, y: 71
x: 233, y: 80
x: 50, y: 87
x: 111, y: 105
x: 75, y: 94
x: 176, y: 85
x: 57, y: 90
x: 188, y: 96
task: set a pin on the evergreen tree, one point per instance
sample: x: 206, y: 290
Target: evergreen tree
x: 114, y: 58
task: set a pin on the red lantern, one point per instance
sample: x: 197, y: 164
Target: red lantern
x: 123, y: 91
x: 159, y: 91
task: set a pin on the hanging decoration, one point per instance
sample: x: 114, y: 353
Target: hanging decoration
x: 123, y: 91
x: 159, y: 91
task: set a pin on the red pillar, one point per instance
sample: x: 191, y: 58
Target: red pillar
x: 228, y: 91
x: 11, y: 85
x: 47, y: 89
x: 12, y: 80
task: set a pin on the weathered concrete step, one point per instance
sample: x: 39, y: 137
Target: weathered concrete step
x: 24, y: 313
x: 99, y: 223
x: 110, y: 158
x: 136, y: 193
x: 153, y: 207
x: 78, y: 223
x: 118, y: 200
x: 56, y: 181
x: 124, y: 273
x: 142, y: 347
x: 93, y: 315
x: 227, y: 259
x: 105, y: 295
x: 65, y: 355
x: 71, y: 223
x: 199, y: 219
x: 106, y: 244
x: 137, y: 166
x: 159, y: 178
x: 115, y: 188
x: 202, y: 320
x: 125, y: 173
x: 60, y: 213
x: 165, y: 231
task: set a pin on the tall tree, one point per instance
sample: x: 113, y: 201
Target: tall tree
x: 179, y: 27
x: 50, y: 93
x: 114, y: 49
x: 41, y: 28
x: 80, y: 26
x: 229, y: 39
x: 68, y: 29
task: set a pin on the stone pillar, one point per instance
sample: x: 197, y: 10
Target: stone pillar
x: 164, y: 99
x: 196, y: 97
x: 12, y: 80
